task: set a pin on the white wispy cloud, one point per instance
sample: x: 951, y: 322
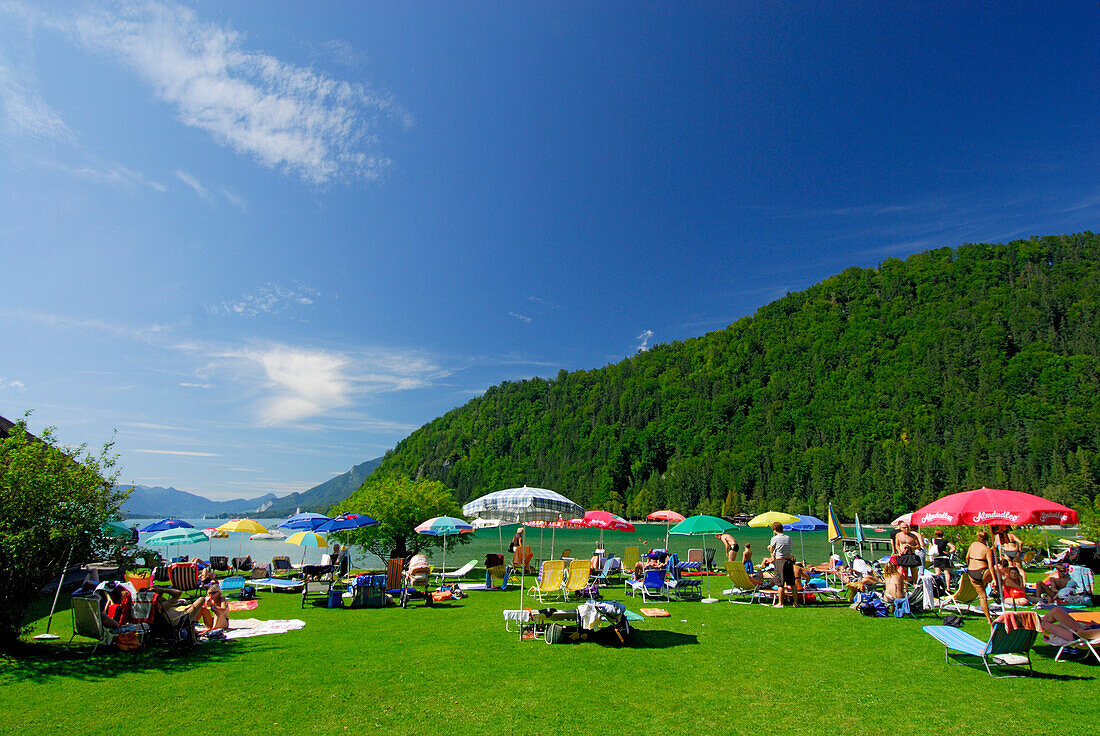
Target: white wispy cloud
x: 13, y: 385
x: 23, y: 111
x: 190, y: 384
x: 96, y: 170
x: 270, y: 299
x: 520, y: 317
x: 285, y: 116
x: 299, y: 383
x: 234, y: 198
x: 644, y: 337
x: 194, y: 184
x: 185, y: 453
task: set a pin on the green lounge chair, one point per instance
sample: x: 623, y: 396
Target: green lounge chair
x: 1000, y: 651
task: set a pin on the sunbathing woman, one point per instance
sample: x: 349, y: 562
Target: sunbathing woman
x: 979, y: 566
x: 215, y: 613
x: 895, y: 582
x: 1013, y: 587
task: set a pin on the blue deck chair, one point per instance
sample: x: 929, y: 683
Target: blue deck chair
x: 677, y: 584
x: 650, y: 586
x: 612, y: 567
x: 1001, y: 642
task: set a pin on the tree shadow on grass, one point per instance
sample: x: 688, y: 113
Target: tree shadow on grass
x: 42, y: 662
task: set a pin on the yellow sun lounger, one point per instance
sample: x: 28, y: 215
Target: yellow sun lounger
x: 576, y: 577
x: 550, y: 580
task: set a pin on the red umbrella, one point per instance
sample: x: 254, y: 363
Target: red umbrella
x: 606, y: 520
x: 667, y: 516
x: 992, y: 506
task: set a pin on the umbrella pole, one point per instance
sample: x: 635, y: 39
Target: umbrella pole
x: 553, y: 533
x: 802, y: 541
x: 500, y: 536
x: 708, y: 599
x: 56, y: 593
x: 668, y: 525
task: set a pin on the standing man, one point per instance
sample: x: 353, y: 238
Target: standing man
x: 906, y: 546
x: 781, y: 547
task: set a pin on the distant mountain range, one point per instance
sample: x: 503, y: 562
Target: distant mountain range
x: 155, y: 501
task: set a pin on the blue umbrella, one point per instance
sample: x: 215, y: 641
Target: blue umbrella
x: 305, y: 521
x: 805, y: 523
x: 165, y: 524
x: 345, y: 523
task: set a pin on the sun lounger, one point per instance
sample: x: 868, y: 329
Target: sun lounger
x: 277, y: 584
x: 998, y: 651
x: 550, y: 580
x: 630, y: 559
x: 459, y: 573
x: 962, y: 597
x: 88, y: 620
x: 742, y: 584
x: 281, y: 564
x: 610, y: 567
x: 576, y: 577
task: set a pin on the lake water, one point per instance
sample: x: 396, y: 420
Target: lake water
x: 580, y: 542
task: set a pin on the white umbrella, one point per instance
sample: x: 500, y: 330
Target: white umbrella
x: 519, y: 505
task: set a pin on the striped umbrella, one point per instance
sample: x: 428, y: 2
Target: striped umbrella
x: 307, y: 539
x: 444, y: 526
x: 520, y: 505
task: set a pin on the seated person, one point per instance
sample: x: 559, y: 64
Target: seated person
x: 1058, y: 622
x: 167, y: 600
x: 1057, y: 584
x: 198, y: 563
x: 215, y: 612
x: 654, y: 560
x: 1013, y: 587
x: 207, y: 578
x: 863, y: 579
x: 117, y: 605
x: 895, y: 582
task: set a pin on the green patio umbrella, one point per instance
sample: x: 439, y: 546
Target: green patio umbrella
x: 703, y: 526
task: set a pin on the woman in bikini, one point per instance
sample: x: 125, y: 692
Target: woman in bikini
x: 979, y: 566
x: 1013, y: 587
x: 1008, y: 546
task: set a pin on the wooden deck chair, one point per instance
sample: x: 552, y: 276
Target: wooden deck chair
x: 991, y: 653
x: 550, y: 580
x: 219, y: 563
x: 576, y: 577
x: 742, y: 584
x: 395, y: 575
x: 961, y: 599
x: 631, y: 555
x: 183, y: 576
x: 281, y: 564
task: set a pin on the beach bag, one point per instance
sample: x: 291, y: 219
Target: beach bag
x: 128, y: 641
x: 248, y: 593
x: 953, y: 620
x: 869, y: 604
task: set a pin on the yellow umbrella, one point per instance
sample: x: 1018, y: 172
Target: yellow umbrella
x: 243, y: 526
x: 770, y: 517
x: 307, y: 539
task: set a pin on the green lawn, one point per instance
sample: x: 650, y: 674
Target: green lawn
x: 718, y: 668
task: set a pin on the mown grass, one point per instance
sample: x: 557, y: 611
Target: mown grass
x: 717, y: 668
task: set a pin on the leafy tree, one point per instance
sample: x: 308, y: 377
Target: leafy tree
x: 53, y: 503
x: 400, y: 504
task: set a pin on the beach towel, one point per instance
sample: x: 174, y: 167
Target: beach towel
x: 249, y: 627
x: 242, y: 605
x: 655, y: 612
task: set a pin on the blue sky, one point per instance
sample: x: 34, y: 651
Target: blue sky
x: 266, y: 241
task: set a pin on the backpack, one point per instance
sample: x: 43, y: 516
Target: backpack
x: 248, y: 593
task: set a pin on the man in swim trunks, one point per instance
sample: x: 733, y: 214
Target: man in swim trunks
x: 906, y: 546
x: 781, y: 547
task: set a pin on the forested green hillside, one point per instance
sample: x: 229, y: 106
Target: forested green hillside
x: 877, y: 389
